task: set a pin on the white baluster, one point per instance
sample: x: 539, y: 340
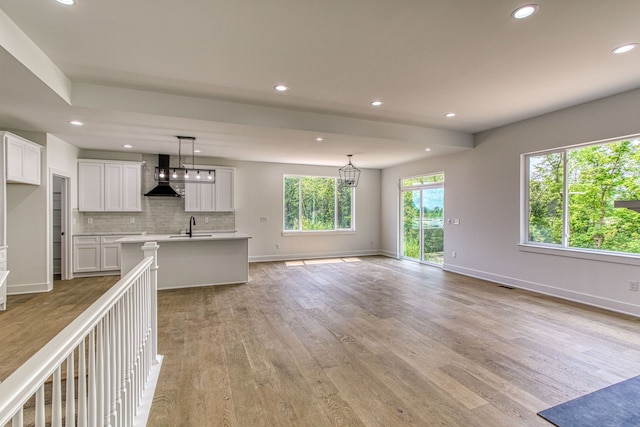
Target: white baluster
x: 99, y: 374
x: 18, y: 419
x: 93, y: 388
x: 40, y: 407
x: 106, y: 375
x: 71, y: 392
x: 56, y: 399
x: 82, y: 385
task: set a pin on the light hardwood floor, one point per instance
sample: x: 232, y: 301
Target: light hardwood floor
x: 379, y: 342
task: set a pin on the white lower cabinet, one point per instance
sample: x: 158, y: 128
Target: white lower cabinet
x: 96, y: 254
x: 109, y: 253
x: 86, y: 254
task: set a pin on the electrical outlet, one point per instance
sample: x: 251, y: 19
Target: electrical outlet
x: 277, y: 245
x: 633, y: 285
x: 206, y: 219
x: 454, y: 254
x: 132, y: 220
x: 263, y: 219
x: 89, y: 220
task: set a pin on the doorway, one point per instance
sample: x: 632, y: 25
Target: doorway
x: 423, y: 218
x: 59, y: 227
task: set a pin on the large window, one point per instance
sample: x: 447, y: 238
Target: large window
x: 314, y: 203
x: 571, y: 195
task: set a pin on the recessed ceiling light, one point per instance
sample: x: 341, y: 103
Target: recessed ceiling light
x: 76, y: 123
x: 449, y: 115
x: 281, y: 88
x: 67, y: 2
x: 128, y: 146
x: 197, y: 151
x: 625, y: 48
x: 376, y: 103
x: 525, y: 11
x: 319, y: 139
x: 427, y: 149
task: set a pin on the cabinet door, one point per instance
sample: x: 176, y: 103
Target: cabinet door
x: 192, y: 197
x: 23, y: 161
x: 131, y: 188
x: 90, y: 187
x: 224, y: 189
x: 207, y: 197
x: 31, y: 164
x: 14, y: 159
x: 110, y: 257
x: 86, y: 258
x: 113, y: 184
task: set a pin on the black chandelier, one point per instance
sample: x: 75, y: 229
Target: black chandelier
x: 182, y: 173
x: 349, y: 174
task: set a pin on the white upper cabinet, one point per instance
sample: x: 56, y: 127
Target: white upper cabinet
x: 91, y: 186
x: 22, y: 160
x: 205, y: 197
x: 109, y: 186
x: 224, y: 189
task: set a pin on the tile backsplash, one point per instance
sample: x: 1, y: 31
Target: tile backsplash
x: 159, y: 214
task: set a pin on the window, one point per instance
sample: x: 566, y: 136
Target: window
x: 422, y: 207
x: 571, y: 195
x: 314, y: 203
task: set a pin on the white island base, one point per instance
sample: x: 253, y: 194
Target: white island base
x: 183, y: 262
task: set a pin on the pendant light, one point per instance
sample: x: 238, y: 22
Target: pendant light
x: 349, y: 174
x: 182, y: 173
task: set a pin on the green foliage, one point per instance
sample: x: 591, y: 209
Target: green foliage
x: 596, y: 176
x: 545, y: 198
x: 432, y: 223
x: 310, y: 204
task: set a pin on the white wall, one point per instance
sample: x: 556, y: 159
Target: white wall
x: 62, y: 159
x: 258, y: 193
x: 28, y: 230
x: 482, y: 188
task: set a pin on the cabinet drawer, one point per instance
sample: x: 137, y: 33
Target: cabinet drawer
x: 86, y: 240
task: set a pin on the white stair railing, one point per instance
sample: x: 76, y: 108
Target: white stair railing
x: 104, y: 358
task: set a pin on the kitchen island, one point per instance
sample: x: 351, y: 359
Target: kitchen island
x: 183, y: 261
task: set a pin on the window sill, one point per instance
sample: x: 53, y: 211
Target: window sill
x: 611, y: 257
x: 317, y: 233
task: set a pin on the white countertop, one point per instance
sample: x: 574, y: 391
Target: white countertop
x: 110, y: 233
x: 183, y: 237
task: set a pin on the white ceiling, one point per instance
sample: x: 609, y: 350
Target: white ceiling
x: 140, y: 72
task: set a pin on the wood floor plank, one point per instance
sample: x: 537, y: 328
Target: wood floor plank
x: 379, y: 342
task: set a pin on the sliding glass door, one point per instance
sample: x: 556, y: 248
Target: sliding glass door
x: 423, y: 218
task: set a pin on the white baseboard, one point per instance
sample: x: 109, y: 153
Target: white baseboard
x: 295, y: 257
x: 592, y: 300
x: 29, y: 288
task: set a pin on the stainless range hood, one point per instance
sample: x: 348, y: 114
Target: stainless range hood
x: 164, y: 188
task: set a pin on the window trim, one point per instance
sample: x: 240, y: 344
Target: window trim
x: 335, y: 231
x: 563, y: 249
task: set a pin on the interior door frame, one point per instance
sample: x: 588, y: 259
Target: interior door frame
x: 66, y: 267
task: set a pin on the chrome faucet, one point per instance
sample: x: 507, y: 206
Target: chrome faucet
x: 192, y: 221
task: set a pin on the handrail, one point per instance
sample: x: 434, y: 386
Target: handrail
x: 107, y: 315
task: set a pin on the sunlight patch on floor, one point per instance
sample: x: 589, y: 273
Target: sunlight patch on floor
x: 321, y: 261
